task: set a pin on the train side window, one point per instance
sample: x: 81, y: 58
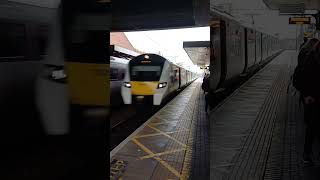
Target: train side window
x: 42, y: 38
x: 89, y: 46
x: 12, y: 41
x: 122, y: 75
x: 113, y: 74
x: 176, y: 75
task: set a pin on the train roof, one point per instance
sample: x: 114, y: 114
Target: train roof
x: 186, y: 68
x: 22, y: 12
x: 220, y: 14
x: 118, y: 60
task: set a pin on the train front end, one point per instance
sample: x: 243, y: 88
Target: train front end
x: 144, y: 81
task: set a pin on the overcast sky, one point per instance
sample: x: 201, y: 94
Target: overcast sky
x: 168, y: 42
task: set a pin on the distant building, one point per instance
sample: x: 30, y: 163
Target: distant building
x: 121, y: 40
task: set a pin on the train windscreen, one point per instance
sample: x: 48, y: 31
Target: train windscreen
x: 145, y: 73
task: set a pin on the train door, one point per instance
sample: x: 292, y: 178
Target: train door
x: 183, y: 77
x: 245, y: 50
x: 261, y: 46
x: 218, y: 67
x: 251, y: 49
x: 255, y: 48
x: 187, y: 76
x: 258, y: 47
x: 176, y: 77
x: 179, y: 77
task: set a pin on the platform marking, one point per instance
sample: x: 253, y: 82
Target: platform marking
x: 167, y: 122
x: 157, y: 118
x: 157, y: 134
x: 163, y: 133
x: 181, y: 174
x: 162, y: 153
x: 165, y: 164
x: 189, y: 150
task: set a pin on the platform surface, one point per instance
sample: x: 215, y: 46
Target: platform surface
x: 257, y: 132
x: 163, y: 147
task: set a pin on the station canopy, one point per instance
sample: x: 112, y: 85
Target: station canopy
x: 198, y: 52
x: 137, y: 15
x: 293, y: 6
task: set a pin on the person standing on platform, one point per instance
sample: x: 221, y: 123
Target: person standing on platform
x: 205, y: 87
x: 306, y: 79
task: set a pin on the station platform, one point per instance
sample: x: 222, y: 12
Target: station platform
x: 257, y: 133
x: 168, y: 145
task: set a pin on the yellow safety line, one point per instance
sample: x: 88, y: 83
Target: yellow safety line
x: 162, y: 153
x: 161, y: 120
x: 166, y: 165
x: 186, y: 163
x: 147, y: 135
x: 167, y: 135
x: 157, y: 134
x: 167, y: 122
x: 157, y: 117
x: 187, y: 157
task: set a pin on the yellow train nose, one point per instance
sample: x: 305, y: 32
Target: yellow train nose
x: 143, y: 88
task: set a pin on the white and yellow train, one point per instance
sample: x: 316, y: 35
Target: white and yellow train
x: 150, y: 77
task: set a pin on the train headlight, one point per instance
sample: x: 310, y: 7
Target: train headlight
x: 127, y: 84
x: 162, y: 85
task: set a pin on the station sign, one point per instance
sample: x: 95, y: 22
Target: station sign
x: 299, y: 20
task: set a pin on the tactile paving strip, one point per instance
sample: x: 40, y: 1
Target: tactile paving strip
x: 241, y: 128
x: 251, y: 161
x: 285, y: 159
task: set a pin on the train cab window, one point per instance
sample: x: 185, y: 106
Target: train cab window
x: 113, y: 74
x: 12, y: 41
x: 145, y: 73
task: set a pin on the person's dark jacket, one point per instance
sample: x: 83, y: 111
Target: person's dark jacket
x: 205, y: 84
x: 311, y: 83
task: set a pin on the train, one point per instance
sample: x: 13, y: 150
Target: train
x: 51, y: 64
x: 150, y: 78
x: 33, y: 90
x: 237, y: 50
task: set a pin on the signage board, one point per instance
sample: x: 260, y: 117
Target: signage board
x: 299, y: 20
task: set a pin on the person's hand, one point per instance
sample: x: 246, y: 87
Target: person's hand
x: 309, y: 100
